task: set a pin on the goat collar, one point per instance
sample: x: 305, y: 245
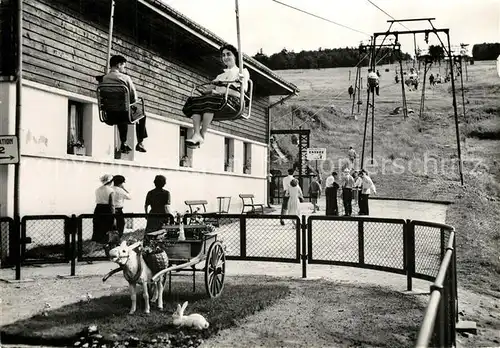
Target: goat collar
x: 137, y: 275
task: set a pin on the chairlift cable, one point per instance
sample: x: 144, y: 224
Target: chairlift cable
x: 387, y: 14
x: 325, y: 19
x: 240, y: 53
x: 110, y: 35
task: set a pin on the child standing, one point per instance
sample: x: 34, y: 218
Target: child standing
x: 315, y: 193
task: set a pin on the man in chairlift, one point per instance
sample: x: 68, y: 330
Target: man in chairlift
x: 203, y: 109
x: 117, y: 73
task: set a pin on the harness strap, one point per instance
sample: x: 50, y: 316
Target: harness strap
x: 139, y: 268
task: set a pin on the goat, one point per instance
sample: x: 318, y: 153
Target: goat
x: 136, y: 271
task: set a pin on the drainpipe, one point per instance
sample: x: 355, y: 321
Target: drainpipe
x: 17, y: 166
x: 281, y: 101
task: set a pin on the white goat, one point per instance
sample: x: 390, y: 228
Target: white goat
x: 136, y: 271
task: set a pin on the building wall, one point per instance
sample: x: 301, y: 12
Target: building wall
x: 66, y: 49
x: 54, y: 182
x: 7, y: 108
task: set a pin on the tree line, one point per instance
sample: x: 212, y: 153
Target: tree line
x: 327, y: 58
x: 486, y: 51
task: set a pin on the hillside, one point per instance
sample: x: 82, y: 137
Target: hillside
x: 416, y: 158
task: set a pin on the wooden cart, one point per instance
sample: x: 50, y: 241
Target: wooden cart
x: 200, y: 246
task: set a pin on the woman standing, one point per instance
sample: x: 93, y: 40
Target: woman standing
x: 295, y: 196
x: 121, y: 194
x: 159, y: 201
x: 103, y: 221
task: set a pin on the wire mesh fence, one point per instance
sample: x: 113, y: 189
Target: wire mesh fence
x: 430, y: 240
x: 50, y: 239
x: 384, y: 243
x: 333, y: 240
x: 261, y: 237
x: 268, y: 239
x: 91, y: 243
x: 6, y: 226
x: 357, y: 241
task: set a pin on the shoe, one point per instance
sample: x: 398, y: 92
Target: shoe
x: 197, y: 139
x: 282, y: 222
x: 124, y: 148
x: 139, y: 147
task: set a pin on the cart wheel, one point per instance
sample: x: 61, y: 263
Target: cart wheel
x: 215, y: 269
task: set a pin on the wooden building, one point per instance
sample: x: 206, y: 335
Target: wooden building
x: 65, y: 148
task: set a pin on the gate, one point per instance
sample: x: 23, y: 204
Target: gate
x: 48, y: 239
x: 357, y: 242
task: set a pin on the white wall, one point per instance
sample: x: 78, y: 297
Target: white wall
x: 53, y: 182
x: 7, y: 127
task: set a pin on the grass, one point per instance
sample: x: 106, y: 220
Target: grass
x: 417, y: 158
x: 64, y: 325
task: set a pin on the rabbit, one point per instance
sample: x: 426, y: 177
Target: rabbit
x: 197, y: 321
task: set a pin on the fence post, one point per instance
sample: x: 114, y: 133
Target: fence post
x: 304, y: 228
x: 439, y: 335
x: 73, y: 229
x: 361, y: 243
x: 17, y: 245
x: 243, y: 236
x: 410, y: 254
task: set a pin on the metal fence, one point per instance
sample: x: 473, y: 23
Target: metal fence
x: 6, y: 244
x: 439, y: 325
x: 417, y: 249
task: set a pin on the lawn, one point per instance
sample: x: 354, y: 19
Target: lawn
x: 64, y: 325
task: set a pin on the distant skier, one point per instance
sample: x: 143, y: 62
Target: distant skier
x: 351, y: 91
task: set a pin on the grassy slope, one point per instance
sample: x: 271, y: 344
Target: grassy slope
x: 417, y: 158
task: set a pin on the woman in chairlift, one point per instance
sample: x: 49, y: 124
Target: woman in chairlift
x: 202, y: 109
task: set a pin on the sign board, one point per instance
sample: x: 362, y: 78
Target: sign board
x: 316, y: 154
x: 9, y: 149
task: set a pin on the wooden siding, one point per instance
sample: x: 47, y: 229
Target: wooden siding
x: 64, y: 49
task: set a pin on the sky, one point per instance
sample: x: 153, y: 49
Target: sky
x: 271, y: 26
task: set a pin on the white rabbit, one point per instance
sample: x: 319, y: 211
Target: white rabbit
x: 197, y: 321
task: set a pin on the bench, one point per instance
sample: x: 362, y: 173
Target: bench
x: 195, y: 206
x: 247, y: 199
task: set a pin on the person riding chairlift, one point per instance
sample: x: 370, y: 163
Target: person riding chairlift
x: 373, y: 82
x: 202, y: 109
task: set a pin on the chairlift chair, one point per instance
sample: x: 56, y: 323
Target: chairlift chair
x: 113, y: 100
x: 230, y: 111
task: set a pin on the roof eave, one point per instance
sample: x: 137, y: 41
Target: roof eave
x: 216, y: 42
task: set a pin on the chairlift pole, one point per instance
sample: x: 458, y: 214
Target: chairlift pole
x: 457, y: 129
x: 240, y: 53
x: 17, y: 166
x: 110, y: 34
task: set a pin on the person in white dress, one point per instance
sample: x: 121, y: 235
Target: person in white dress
x: 295, y: 196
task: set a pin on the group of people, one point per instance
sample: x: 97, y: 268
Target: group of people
x: 201, y: 109
x: 353, y: 185
x: 110, y: 198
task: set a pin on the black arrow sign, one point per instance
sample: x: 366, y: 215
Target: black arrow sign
x: 8, y: 157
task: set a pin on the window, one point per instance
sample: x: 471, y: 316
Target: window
x: 185, y: 153
x: 247, y: 158
x: 79, y: 128
x: 228, y: 155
